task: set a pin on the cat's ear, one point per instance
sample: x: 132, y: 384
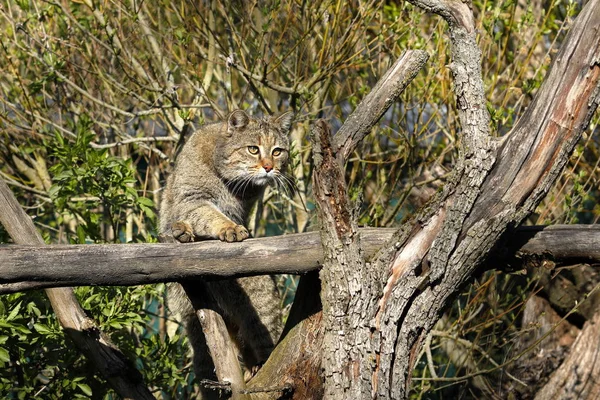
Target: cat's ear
x: 284, y: 121
x: 237, y: 120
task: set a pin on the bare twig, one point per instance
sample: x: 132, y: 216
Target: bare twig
x: 135, y: 140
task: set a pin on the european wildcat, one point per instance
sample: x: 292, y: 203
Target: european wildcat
x: 219, y: 174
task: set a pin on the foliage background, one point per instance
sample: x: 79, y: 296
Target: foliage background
x: 97, y: 96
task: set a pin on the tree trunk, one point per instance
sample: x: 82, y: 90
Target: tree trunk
x: 293, y: 369
x: 377, y: 314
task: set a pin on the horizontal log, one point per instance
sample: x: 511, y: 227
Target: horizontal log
x: 559, y: 242
x: 35, y: 267
x: 135, y: 264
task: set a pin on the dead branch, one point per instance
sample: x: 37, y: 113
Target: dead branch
x: 385, y: 93
x: 135, y: 264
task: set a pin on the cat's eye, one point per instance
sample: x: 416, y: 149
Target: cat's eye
x: 276, y: 152
x: 253, y: 149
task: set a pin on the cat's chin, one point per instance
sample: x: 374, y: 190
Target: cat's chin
x: 262, y: 180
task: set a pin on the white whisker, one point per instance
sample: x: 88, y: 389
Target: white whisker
x: 288, y: 184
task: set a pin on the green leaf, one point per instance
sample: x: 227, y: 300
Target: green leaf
x: 85, y: 388
x: 4, y: 355
x: 146, y: 201
x: 15, y: 311
x: 43, y: 329
x: 81, y: 234
x: 63, y: 175
x: 32, y: 308
x: 149, y: 212
x: 53, y: 191
x: 115, y: 324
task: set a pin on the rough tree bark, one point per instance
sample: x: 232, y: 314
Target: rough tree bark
x: 378, y: 313
x: 292, y: 370
x: 227, y: 366
x: 35, y: 267
x: 578, y: 377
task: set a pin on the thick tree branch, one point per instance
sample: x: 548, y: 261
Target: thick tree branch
x: 293, y: 369
x: 343, y: 275
x: 135, y: 264
x: 567, y: 244
x: 107, y: 358
x: 419, y: 254
x: 466, y: 71
x: 222, y: 351
x: 349, y: 287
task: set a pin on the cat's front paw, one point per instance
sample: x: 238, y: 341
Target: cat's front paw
x: 233, y: 233
x: 182, y: 231
x: 249, y: 373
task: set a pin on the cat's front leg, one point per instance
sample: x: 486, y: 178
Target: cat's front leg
x: 207, y: 222
x: 229, y: 232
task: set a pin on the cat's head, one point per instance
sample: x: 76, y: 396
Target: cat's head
x: 254, y: 151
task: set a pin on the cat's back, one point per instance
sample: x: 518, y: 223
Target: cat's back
x: 200, y: 147
x: 194, y: 168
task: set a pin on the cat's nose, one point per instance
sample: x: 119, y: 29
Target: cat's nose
x: 268, y: 167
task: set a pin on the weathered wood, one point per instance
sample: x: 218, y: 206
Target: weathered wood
x: 227, y: 366
x: 34, y: 267
x: 343, y: 276
x: 106, y: 357
x: 219, y: 344
x: 579, y: 376
x: 570, y: 243
x: 491, y: 192
x: 418, y: 257
x: 293, y: 369
x: 134, y: 264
